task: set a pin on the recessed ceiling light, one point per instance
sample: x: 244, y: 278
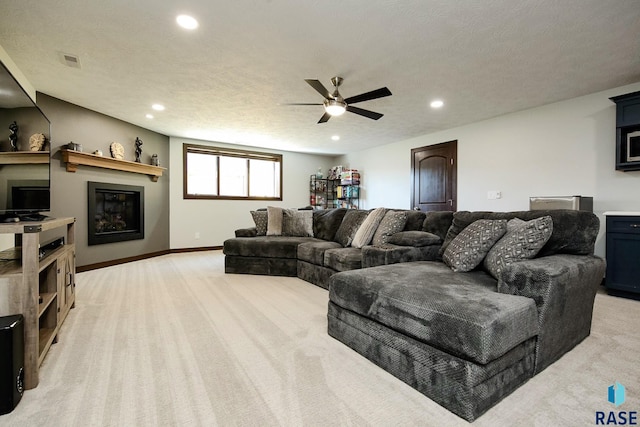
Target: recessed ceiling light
x: 187, y: 22
x: 437, y: 103
x: 149, y: 116
x: 158, y: 107
x: 336, y: 137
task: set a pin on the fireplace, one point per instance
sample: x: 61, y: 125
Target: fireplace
x: 116, y: 213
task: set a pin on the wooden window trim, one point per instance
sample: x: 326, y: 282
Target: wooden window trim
x: 228, y: 152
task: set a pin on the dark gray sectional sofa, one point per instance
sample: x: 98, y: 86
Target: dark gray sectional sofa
x: 315, y: 259
x: 464, y: 339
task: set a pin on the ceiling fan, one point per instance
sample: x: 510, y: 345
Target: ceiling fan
x: 336, y: 105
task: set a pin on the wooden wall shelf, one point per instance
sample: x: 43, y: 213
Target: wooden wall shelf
x: 24, y: 158
x: 75, y: 158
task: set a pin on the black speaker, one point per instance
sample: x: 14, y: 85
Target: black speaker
x: 11, y: 362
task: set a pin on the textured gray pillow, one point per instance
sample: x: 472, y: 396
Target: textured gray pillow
x: 414, y: 238
x: 392, y: 223
x: 297, y: 223
x: 365, y: 232
x: 349, y: 226
x: 523, y: 240
x: 260, y: 219
x: 274, y: 221
x: 469, y: 248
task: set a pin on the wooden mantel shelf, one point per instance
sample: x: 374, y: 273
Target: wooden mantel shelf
x: 24, y: 158
x: 75, y: 158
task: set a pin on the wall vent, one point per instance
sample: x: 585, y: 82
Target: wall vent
x: 70, y: 60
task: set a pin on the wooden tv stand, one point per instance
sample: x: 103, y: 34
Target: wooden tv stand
x: 38, y: 284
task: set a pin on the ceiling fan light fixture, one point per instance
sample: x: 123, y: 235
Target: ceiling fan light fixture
x: 334, y: 107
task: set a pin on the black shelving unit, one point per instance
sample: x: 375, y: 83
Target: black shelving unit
x: 333, y: 193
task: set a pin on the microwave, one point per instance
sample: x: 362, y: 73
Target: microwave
x: 633, y: 146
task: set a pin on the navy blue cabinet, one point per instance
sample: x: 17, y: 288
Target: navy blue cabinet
x: 623, y: 255
x: 627, y: 131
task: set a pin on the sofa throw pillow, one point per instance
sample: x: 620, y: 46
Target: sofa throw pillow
x: 467, y: 250
x: 349, y: 226
x: 297, y: 223
x: 365, y: 232
x: 274, y: 221
x: 392, y: 223
x: 414, y: 238
x: 523, y: 240
x: 260, y: 219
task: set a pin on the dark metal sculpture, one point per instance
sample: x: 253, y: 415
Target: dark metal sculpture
x: 13, y: 136
x: 138, y: 149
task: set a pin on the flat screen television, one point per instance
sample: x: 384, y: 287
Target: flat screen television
x: 25, y: 190
x: 29, y: 198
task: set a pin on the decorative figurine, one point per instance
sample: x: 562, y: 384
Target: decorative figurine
x: 37, y: 141
x: 154, y: 160
x: 13, y: 136
x: 138, y: 149
x: 117, y: 150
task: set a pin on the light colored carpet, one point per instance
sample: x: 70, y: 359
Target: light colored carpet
x: 174, y: 341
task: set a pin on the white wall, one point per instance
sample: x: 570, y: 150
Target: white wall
x: 216, y: 220
x: 566, y: 148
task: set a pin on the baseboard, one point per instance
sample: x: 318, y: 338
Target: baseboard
x: 110, y: 263
x: 203, y: 248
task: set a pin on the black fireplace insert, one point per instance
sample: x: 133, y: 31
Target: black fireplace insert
x: 116, y: 213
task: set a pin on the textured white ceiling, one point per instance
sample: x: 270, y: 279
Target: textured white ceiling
x: 227, y: 80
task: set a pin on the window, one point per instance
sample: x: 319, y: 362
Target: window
x: 223, y: 173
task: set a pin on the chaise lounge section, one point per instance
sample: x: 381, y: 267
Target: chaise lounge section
x: 468, y: 339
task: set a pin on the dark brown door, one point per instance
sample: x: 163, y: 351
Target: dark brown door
x: 433, y: 172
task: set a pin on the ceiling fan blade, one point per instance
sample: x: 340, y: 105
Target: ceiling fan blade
x: 325, y: 118
x: 319, y: 87
x: 366, y: 113
x: 374, y: 94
